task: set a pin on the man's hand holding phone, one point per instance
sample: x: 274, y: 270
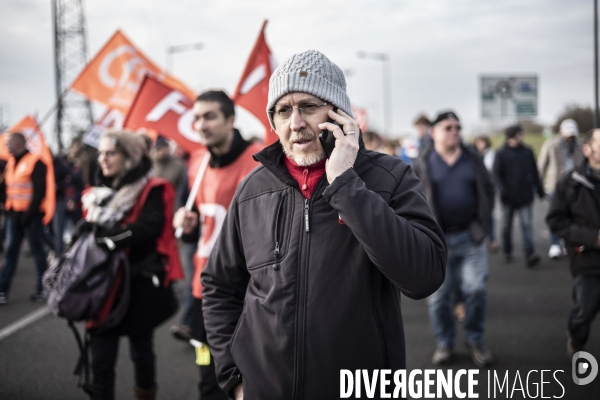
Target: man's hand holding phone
x: 346, y: 143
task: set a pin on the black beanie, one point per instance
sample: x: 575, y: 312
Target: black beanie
x: 512, y: 131
x: 445, y: 115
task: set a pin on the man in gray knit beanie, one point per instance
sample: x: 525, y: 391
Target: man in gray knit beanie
x: 310, y: 83
x: 303, y: 279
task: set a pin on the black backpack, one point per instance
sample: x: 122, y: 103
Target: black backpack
x: 78, y: 286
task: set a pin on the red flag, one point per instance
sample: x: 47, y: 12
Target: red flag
x: 166, y: 110
x: 360, y: 116
x: 36, y: 145
x: 253, y: 89
x: 115, y: 73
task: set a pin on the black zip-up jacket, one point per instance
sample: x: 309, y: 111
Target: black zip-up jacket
x: 484, y: 189
x: 516, y: 175
x: 291, y: 295
x: 574, y: 215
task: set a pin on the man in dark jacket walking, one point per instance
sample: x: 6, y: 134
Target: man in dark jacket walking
x: 305, y: 278
x: 461, y: 195
x: 574, y: 215
x: 517, y: 177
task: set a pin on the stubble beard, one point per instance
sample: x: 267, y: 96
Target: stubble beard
x: 303, y: 159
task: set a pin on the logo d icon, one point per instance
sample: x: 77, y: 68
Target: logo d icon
x: 589, y: 364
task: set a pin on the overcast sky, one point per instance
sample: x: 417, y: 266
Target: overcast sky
x: 438, y: 48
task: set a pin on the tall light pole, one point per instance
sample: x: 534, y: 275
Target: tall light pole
x: 180, y: 49
x: 387, y: 86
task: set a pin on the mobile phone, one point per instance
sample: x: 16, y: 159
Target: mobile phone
x: 327, y: 138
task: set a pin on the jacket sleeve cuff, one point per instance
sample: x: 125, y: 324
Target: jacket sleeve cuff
x: 338, y: 183
x: 236, y: 378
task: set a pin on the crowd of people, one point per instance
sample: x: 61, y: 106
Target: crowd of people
x: 284, y: 251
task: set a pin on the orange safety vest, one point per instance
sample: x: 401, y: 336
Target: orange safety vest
x: 19, y: 187
x: 212, y: 201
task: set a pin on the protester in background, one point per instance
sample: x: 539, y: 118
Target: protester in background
x: 483, y: 144
x: 61, y: 179
x: 574, y: 215
x: 2, y: 202
x: 390, y: 147
x: 73, y: 192
x: 314, y: 252
x: 132, y: 209
x: 25, y: 207
x: 79, y: 156
x: 188, y: 245
x: 558, y: 156
x: 461, y: 195
x: 165, y: 165
x: 372, y: 140
x: 516, y: 177
x: 423, y: 127
x: 229, y: 163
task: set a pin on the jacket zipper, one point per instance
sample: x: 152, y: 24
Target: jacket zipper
x: 306, y: 223
x: 277, y: 236
x: 302, y: 288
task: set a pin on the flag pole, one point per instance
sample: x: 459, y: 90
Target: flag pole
x: 189, y: 204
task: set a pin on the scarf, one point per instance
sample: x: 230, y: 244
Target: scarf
x: 106, y: 206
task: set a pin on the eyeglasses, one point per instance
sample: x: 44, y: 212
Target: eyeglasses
x: 107, y: 153
x: 449, y: 128
x: 284, y: 112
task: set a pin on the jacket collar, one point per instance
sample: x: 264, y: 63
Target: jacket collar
x: 579, y: 176
x: 238, y: 145
x: 271, y: 157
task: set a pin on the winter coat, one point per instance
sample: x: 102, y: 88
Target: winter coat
x: 292, y: 294
x: 484, y: 190
x: 149, y: 303
x: 516, y: 175
x: 550, y: 161
x: 574, y: 215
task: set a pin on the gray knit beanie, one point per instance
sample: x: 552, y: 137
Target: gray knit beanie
x: 313, y: 73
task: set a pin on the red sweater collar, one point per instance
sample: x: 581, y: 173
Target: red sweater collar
x: 307, y: 177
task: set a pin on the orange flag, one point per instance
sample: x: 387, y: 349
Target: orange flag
x: 253, y: 89
x: 36, y: 145
x: 166, y: 110
x: 114, y: 75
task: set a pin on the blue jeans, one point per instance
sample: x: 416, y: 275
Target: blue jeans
x: 15, y: 232
x: 467, y: 270
x: 526, y: 218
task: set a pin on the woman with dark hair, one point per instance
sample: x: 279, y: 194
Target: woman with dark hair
x: 130, y: 209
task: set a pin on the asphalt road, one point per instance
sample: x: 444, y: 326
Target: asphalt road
x: 525, y: 330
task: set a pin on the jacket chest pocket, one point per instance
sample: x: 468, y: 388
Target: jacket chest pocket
x: 266, y: 227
